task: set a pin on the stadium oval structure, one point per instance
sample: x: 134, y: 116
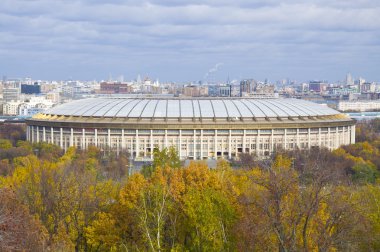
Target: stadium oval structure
x: 199, y: 128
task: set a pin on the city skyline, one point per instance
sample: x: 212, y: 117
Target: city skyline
x: 189, y: 41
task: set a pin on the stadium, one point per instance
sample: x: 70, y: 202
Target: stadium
x: 199, y: 128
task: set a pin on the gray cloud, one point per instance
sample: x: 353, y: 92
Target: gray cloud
x: 257, y: 38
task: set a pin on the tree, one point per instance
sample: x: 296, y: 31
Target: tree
x: 19, y: 231
x: 209, y: 219
x: 247, y: 160
x: 64, y: 195
x: 5, y: 144
x: 367, y: 203
x: 364, y: 173
x: 168, y: 157
x: 13, y: 132
x: 47, y: 151
x: 285, y: 211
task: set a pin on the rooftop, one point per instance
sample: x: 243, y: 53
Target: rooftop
x: 171, y: 107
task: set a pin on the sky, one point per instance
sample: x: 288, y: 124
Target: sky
x: 190, y: 40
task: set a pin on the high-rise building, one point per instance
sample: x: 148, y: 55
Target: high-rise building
x: 11, y: 94
x: 30, y: 89
x: 247, y: 86
x: 317, y: 86
x: 368, y: 87
x: 349, y: 79
x: 195, y: 91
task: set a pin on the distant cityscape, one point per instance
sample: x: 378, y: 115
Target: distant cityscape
x: 25, y: 97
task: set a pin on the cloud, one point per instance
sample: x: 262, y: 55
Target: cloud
x: 263, y: 38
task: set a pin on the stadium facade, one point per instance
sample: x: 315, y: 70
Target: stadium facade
x: 198, y: 128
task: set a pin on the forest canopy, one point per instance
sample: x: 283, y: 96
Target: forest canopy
x: 93, y: 201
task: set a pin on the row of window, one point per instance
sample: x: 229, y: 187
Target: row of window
x: 189, y: 132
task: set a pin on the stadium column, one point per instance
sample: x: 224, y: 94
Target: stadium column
x: 71, y: 137
x: 336, y: 137
x: 38, y: 134
x: 132, y: 147
x: 229, y: 144
x: 43, y: 134
x: 257, y: 142
x: 271, y: 142
x: 137, y: 144
x: 329, y: 138
x: 180, y: 144
x: 309, y: 138
x: 201, y: 144
x: 216, y: 144
x: 343, y: 135
x: 32, y: 135
x: 83, y: 138
x: 250, y: 145
x: 122, y: 139
x: 151, y: 144
x: 96, y: 137
x: 52, y: 135
x: 319, y: 137
x: 286, y: 140
x: 61, y: 137
x: 194, y: 145
x: 352, y: 140
x: 244, y: 139
x: 298, y: 138
x: 116, y: 137
x: 166, y: 138
x: 109, y: 139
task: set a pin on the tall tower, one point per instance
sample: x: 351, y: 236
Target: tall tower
x: 349, y: 80
x: 247, y: 86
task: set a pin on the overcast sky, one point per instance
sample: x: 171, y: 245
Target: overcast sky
x: 186, y: 40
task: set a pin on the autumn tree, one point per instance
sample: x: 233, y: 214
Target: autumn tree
x: 367, y: 199
x: 19, y: 231
x: 13, y: 132
x: 65, y: 197
x: 288, y: 212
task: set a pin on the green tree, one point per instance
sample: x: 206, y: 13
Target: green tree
x: 209, y: 218
x: 5, y: 144
x: 365, y: 172
x: 167, y: 157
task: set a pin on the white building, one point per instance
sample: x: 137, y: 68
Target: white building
x: 11, y: 94
x: 371, y: 105
x: 29, y: 108
x: 198, y: 128
x: 11, y: 108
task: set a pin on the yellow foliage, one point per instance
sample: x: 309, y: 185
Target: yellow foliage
x: 130, y: 193
x: 61, y: 241
x: 102, y: 232
x: 282, y: 161
x: 340, y: 152
x: 198, y: 175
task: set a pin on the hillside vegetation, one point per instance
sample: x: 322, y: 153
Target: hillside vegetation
x: 313, y: 200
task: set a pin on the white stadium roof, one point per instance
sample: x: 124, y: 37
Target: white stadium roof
x: 191, y: 108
